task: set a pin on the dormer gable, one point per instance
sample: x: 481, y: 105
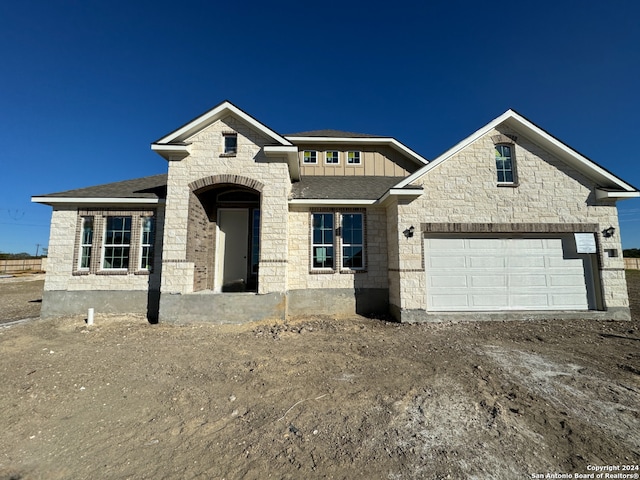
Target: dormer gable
x: 175, y: 146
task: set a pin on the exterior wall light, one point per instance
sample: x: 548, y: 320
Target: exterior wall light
x: 409, y: 232
x: 608, y: 232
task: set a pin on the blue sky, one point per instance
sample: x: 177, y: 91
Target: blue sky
x: 86, y: 86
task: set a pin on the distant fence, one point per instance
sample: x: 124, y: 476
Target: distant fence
x: 24, y: 265
x: 632, y: 263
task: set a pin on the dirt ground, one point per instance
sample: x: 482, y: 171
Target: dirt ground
x: 318, y: 398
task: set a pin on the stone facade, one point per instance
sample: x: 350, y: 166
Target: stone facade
x: 463, y: 189
x: 458, y: 196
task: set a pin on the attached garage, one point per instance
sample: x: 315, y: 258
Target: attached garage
x: 504, y: 273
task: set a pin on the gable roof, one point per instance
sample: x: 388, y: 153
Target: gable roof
x: 221, y: 110
x: 332, y: 133
x: 144, y: 190
x: 611, y: 185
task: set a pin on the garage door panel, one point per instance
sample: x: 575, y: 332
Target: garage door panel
x: 527, y: 280
x: 486, y: 262
x: 531, y: 301
x: 567, y: 281
x: 491, y: 301
x: 484, y: 281
x: 568, y: 300
x: 526, y: 262
x: 447, y: 262
x: 449, y: 302
x: 446, y: 243
x: 450, y: 281
x: 503, y: 273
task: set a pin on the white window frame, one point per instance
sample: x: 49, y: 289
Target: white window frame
x: 512, y: 159
x: 106, y: 245
x: 344, y: 244
x: 331, y: 245
x: 334, y: 155
x: 313, y: 155
x: 149, y: 245
x: 83, y: 245
x: 227, y: 150
x: 357, y: 153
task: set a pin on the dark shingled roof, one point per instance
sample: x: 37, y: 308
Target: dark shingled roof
x: 154, y: 186
x: 338, y: 188
x: 343, y: 188
x: 332, y: 133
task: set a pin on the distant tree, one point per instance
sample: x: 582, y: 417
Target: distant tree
x: 15, y: 256
x: 631, y: 253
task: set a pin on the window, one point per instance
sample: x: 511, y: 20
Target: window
x: 147, y: 235
x: 255, y: 240
x: 504, y: 163
x: 353, y: 158
x: 331, y: 158
x: 322, y: 240
x: 117, y: 239
x: 348, y: 241
x: 86, y: 242
x: 351, y: 232
x: 230, y: 143
x: 310, y: 156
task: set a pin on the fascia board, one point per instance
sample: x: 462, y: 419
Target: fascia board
x: 401, y: 192
x: 290, y: 153
x: 392, y: 142
x: 171, y: 152
x: 603, y: 194
x: 96, y: 201
x: 329, y: 201
x: 215, y: 114
x: 568, y: 154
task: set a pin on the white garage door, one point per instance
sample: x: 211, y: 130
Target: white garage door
x: 503, y: 274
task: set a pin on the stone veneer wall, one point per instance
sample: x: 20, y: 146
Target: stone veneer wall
x: 301, y: 276
x: 66, y: 293
x: 62, y: 256
x: 463, y: 189
x: 207, y: 159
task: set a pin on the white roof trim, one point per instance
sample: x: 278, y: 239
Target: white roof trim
x: 329, y: 201
x: 401, y: 192
x: 392, y: 142
x: 288, y: 152
x: 96, y: 200
x: 214, y: 114
x: 600, y: 194
x: 538, y: 135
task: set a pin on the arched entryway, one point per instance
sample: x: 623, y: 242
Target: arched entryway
x: 224, y: 235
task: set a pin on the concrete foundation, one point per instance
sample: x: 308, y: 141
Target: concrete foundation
x: 221, y: 307
x: 422, y: 316
x: 60, y: 303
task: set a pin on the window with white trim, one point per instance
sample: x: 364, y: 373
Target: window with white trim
x: 117, y: 243
x: 230, y: 143
x: 352, y: 239
x: 332, y: 157
x: 147, y: 234
x: 505, y: 164
x: 86, y: 243
x: 310, y: 156
x: 353, y: 158
x: 322, y: 241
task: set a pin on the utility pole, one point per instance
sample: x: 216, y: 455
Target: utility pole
x: 37, y: 248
